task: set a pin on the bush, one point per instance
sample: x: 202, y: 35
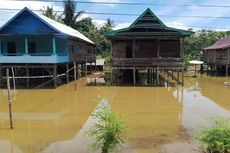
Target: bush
x: 108, y: 130
x: 215, y: 137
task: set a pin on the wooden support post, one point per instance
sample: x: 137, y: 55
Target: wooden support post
x: 86, y: 71
x: 9, y: 99
x: 67, y: 73
x: 55, y: 75
x: 78, y: 72
x: 91, y: 67
x: 157, y: 73
x: 183, y: 77
x: 134, y: 76
x: 111, y: 76
x: 227, y: 70
x: 82, y: 70
x: 151, y: 76
x: 75, y: 75
x: 148, y: 76
x: 27, y: 76
x: 178, y: 75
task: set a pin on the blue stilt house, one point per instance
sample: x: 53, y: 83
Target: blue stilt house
x: 32, y: 41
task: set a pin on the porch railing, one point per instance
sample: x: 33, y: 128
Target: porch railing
x: 145, y: 62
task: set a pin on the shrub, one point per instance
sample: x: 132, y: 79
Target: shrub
x: 108, y: 130
x: 215, y: 137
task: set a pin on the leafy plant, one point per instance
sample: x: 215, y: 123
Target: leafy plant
x: 215, y: 138
x: 108, y: 131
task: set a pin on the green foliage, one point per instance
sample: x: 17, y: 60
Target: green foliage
x: 216, y: 137
x: 89, y: 29
x: 108, y: 131
x: 70, y: 16
x: 201, y: 39
x: 49, y: 12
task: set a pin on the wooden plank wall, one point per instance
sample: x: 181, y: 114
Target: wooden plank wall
x: 170, y: 48
x: 148, y: 48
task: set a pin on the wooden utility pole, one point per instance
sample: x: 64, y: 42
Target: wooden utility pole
x: 9, y: 99
x: 75, y: 75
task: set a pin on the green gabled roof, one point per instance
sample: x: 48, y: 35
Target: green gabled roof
x: 148, y: 20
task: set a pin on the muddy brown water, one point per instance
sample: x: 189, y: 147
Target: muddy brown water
x: 157, y: 115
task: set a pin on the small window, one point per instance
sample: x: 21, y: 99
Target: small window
x: 11, y: 48
x: 1, y: 46
x: 31, y: 47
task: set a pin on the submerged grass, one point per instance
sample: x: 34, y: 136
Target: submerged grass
x: 215, y: 137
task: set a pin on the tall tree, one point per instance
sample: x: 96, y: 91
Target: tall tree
x: 49, y: 12
x: 70, y: 16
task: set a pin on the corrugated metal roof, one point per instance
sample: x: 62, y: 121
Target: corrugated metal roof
x: 220, y: 44
x: 63, y: 29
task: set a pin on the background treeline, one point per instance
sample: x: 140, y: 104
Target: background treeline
x: 193, y: 45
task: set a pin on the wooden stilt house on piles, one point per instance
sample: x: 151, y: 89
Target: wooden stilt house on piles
x: 148, y: 44
x: 218, y: 55
x: 34, y: 45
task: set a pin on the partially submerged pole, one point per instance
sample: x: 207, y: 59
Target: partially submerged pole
x: 9, y: 99
x: 75, y: 76
x: 12, y: 69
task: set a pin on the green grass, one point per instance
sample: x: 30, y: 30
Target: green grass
x: 215, y: 137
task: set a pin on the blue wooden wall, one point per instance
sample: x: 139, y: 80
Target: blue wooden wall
x: 27, y: 24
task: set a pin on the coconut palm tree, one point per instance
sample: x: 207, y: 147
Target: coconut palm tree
x: 70, y: 16
x: 49, y: 12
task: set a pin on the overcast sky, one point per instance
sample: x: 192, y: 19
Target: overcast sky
x: 124, y: 21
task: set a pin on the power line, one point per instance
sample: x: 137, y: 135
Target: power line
x: 135, y: 3
x: 129, y: 21
x: 130, y: 14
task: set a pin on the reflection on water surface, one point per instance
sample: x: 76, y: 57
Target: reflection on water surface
x: 157, y: 115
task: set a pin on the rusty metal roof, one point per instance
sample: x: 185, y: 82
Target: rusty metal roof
x: 220, y: 44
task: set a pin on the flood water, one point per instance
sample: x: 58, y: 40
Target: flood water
x: 157, y: 115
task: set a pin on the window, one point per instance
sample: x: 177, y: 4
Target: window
x: 1, y: 46
x: 11, y: 48
x: 31, y: 47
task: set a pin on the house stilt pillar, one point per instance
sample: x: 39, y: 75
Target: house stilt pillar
x: 134, y: 76
x: 55, y: 75
x: 227, y: 70
x: 67, y: 73
x: 27, y: 76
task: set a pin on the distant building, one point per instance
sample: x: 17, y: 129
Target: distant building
x: 100, y: 63
x: 218, y: 54
x: 37, y: 45
x: 148, y: 44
